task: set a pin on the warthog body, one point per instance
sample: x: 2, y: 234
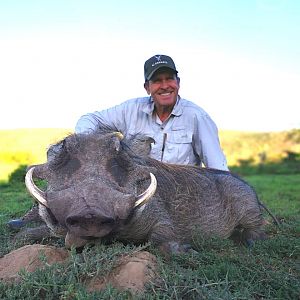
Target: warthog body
x: 93, y: 183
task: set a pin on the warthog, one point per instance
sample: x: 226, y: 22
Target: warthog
x: 141, y: 145
x: 99, y: 189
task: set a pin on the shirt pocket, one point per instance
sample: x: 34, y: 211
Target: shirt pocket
x: 179, y: 146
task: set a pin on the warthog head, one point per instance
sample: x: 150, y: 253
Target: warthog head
x: 91, y: 191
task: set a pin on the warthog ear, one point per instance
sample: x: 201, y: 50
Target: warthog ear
x: 54, y: 150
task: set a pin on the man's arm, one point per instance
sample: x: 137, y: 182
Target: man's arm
x: 111, y: 118
x: 207, y: 144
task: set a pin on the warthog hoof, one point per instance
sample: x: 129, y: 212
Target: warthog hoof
x: 171, y: 248
x: 249, y: 243
x: 16, y: 224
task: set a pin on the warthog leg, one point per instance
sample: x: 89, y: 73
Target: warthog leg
x: 164, y: 238
x: 250, y: 235
x: 31, y: 216
x: 33, y: 234
x: 247, y: 236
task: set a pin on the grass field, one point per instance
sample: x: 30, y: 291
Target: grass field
x: 220, y: 269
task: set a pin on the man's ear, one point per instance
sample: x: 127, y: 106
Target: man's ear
x: 178, y: 81
x: 146, y: 86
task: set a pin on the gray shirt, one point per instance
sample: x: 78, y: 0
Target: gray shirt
x: 188, y: 136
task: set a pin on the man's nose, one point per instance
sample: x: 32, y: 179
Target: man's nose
x: 164, y: 84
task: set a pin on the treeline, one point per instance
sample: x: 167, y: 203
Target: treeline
x: 259, y: 148
x: 242, y: 149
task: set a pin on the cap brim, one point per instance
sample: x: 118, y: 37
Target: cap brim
x: 160, y: 67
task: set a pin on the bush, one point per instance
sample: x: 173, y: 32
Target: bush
x: 18, y: 175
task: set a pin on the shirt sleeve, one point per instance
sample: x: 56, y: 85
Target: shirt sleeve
x: 207, y: 144
x: 112, y: 118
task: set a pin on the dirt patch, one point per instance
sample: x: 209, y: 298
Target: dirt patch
x: 131, y: 273
x: 29, y: 259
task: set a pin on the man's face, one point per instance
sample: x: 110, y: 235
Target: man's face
x: 163, y: 88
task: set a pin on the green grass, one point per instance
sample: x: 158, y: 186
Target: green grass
x: 220, y: 269
x: 281, y: 192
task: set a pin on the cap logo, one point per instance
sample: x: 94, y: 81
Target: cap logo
x: 159, y: 61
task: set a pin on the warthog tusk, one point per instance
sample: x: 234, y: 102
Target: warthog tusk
x: 146, y: 195
x: 34, y: 191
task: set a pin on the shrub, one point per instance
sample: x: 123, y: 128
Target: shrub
x: 18, y: 175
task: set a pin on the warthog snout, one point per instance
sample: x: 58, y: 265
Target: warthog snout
x: 90, y: 224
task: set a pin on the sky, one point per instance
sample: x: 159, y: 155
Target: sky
x: 238, y: 60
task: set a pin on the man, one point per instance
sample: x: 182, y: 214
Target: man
x: 183, y: 132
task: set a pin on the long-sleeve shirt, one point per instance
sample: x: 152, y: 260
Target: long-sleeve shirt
x: 188, y: 136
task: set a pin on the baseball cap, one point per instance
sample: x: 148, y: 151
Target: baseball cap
x: 156, y: 62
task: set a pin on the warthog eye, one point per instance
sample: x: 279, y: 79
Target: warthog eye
x: 73, y: 222
x: 108, y: 221
x: 89, y: 219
